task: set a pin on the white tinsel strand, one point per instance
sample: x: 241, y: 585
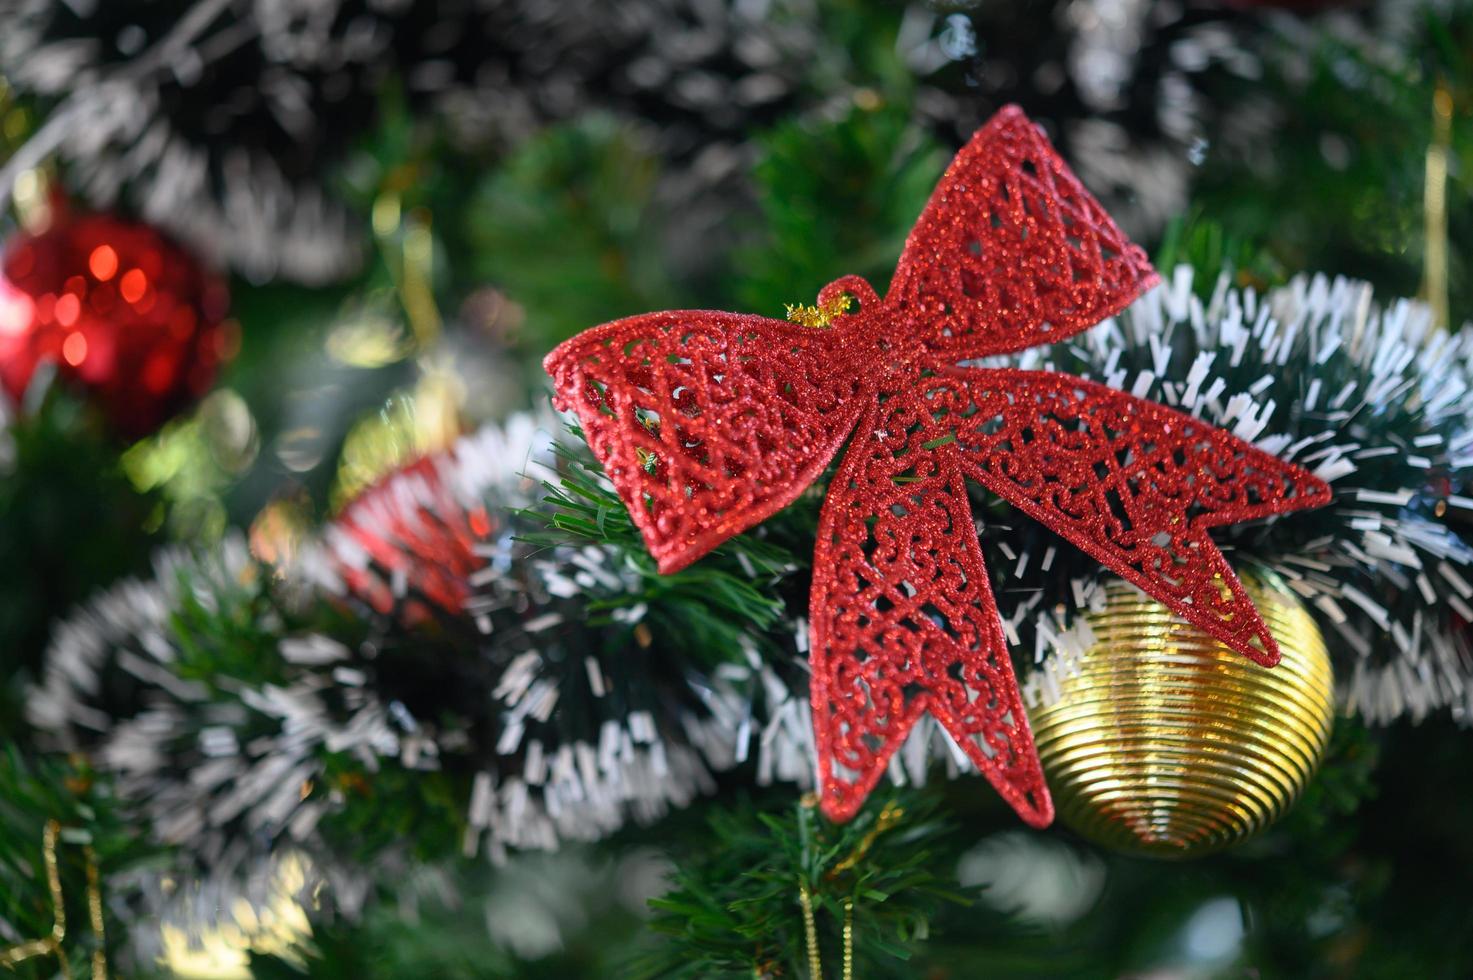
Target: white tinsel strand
x: 132, y: 614
x: 232, y: 201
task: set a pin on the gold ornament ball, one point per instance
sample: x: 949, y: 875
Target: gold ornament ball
x: 1166, y: 743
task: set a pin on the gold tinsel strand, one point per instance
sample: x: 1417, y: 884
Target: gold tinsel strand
x: 94, y: 913
x: 849, y: 939
x: 1434, y: 200
x: 810, y: 931
x: 818, y: 316
x: 1164, y: 742
x: 890, y: 815
x: 51, y: 945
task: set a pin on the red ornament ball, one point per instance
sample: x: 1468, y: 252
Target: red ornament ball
x: 121, y: 311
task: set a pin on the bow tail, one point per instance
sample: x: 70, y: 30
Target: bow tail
x: 1134, y: 484
x: 904, y: 622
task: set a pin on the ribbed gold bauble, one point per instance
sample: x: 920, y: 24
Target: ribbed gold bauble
x: 1166, y: 743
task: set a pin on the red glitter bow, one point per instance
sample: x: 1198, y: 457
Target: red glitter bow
x: 708, y: 422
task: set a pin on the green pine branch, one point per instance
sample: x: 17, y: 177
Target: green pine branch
x: 737, y: 902
x: 93, y: 830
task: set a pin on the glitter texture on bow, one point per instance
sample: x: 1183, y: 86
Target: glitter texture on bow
x: 709, y: 422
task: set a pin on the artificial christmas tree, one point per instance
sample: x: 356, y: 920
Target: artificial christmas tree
x: 428, y: 679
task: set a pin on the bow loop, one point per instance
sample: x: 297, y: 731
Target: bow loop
x: 851, y: 285
x: 1012, y: 251
x: 705, y: 422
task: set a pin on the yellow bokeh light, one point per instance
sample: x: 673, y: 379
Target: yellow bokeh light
x: 222, y: 951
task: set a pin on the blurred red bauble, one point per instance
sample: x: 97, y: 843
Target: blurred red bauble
x: 119, y: 310
x: 410, y: 541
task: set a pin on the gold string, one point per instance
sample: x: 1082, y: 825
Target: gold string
x: 819, y: 316
x: 411, y: 261
x: 810, y: 931
x: 94, y: 911
x: 848, y: 939
x: 51, y: 945
x: 889, y: 817
x: 1434, y: 284
x: 415, y: 284
x: 427, y: 417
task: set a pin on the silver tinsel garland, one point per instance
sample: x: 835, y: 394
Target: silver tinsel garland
x: 210, y: 120
x: 224, y: 121
x: 540, y: 785
x: 220, y: 767
x: 566, y: 735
